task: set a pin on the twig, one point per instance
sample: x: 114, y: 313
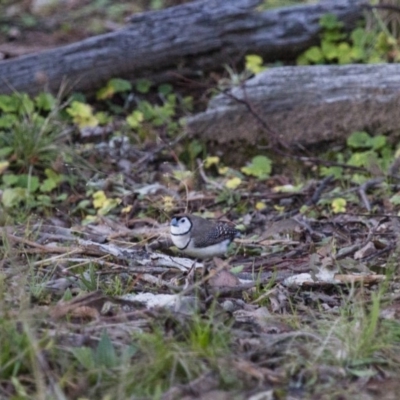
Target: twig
x: 140, y: 164
x: 363, y: 189
x: 312, y: 201
x: 383, y: 7
x: 203, y: 175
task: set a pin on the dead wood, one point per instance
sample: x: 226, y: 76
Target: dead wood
x: 185, y: 40
x: 305, y: 105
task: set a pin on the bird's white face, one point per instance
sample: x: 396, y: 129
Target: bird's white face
x: 180, y: 226
x: 180, y: 231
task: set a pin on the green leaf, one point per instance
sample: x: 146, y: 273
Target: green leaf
x: 62, y: 197
x: 8, y: 104
x: 8, y: 121
x: 330, y: 21
x: 85, y: 356
x: 165, y: 89
x: 29, y: 182
x: 12, y: 197
x: 103, y: 118
x: 22, y: 180
x: 358, y: 179
x: 357, y: 36
x: 195, y: 148
x: 344, y: 53
x: 147, y: 109
x: 384, y: 42
x: 314, y: 54
x: 120, y: 85
x: 45, y: 101
x: 329, y: 49
x: 53, y: 180
x: 48, y: 185
x: 105, y: 354
x: 357, y: 53
x: 377, y: 142
x: 395, y: 200
x: 44, y: 200
x: 5, y: 151
x: 26, y: 105
x: 236, y: 270
x: 82, y: 205
x: 359, y: 140
x: 302, y: 60
x: 135, y: 119
x: 334, y: 36
x: 143, y: 85
x: 10, y: 179
x: 259, y: 167
x: 362, y: 159
x: 113, y: 86
x: 337, y: 172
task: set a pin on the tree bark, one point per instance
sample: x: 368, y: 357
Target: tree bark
x: 186, y: 40
x: 305, y: 105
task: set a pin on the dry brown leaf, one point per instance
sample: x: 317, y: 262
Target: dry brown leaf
x: 93, y: 300
x: 223, y: 278
x: 365, y: 251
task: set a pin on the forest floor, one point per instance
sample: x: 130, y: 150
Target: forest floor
x: 95, y: 302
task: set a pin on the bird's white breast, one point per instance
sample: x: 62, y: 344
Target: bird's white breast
x: 180, y: 241
x: 207, y: 252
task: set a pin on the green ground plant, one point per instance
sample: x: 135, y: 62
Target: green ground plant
x: 32, y: 138
x: 338, y: 47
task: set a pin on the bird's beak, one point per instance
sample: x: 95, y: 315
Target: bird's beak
x: 174, y: 222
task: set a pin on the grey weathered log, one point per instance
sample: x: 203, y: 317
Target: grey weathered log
x: 305, y: 105
x: 188, y: 39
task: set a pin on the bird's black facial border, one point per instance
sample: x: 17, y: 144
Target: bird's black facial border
x: 181, y: 219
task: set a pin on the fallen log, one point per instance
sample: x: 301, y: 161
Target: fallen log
x: 305, y: 105
x: 185, y: 40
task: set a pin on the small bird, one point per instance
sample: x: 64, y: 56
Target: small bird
x: 201, y: 238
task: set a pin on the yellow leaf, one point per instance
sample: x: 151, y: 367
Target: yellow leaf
x: 254, y: 63
x: 108, y: 205
x: 209, y: 161
x: 182, y: 175
x: 169, y: 203
x: 260, y: 205
x: 126, y: 210
x: 82, y: 114
x: 89, y: 219
x: 223, y: 170
x: 287, y: 189
x: 233, y: 183
x: 3, y: 166
x: 339, y: 205
x: 99, y: 199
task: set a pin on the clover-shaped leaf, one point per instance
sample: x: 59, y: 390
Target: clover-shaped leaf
x: 260, y: 167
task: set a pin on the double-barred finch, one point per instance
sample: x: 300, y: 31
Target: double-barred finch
x: 201, y: 238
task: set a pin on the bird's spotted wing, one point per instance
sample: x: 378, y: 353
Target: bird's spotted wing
x: 218, y: 232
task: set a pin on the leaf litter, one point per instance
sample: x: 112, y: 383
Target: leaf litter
x: 295, y: 291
